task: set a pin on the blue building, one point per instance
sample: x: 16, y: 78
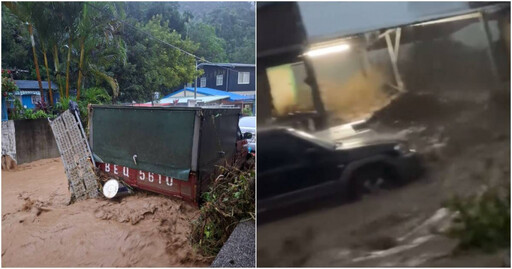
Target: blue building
x: 4, y: 109
x: 29, y: 93
x: 229, y: 98
x: 202, y: 92
x: 228, y: 77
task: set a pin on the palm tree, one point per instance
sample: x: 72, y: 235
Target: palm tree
x: 67, y: 13
x: 56, y: 36
x: 45, y: 27
x: 24, y: 12
x: 85, y: 27
x: 101, y: 45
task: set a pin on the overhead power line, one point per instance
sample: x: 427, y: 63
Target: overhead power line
x: 197, y: 58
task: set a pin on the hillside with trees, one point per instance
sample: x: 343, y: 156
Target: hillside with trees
x: 128, y: 49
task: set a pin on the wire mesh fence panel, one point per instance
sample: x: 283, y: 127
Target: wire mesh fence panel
x: 75, y: 156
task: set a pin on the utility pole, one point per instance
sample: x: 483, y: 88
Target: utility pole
x: 195, y: 84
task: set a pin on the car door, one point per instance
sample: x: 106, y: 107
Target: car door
x: 319, y: 174
x: 287, y: 171
x: 282, y: 169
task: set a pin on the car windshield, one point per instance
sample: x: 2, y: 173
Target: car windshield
x: 247, y: 122
x: 318, y: 141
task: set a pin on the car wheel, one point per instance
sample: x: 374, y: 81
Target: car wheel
x: 370, y: 180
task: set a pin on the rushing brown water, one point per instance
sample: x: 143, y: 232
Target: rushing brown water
x: 40, y: 229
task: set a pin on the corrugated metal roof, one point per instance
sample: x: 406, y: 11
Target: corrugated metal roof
x: 184, y: 100
x: 213, y: 92
x: 327, y: 20
x: 33, y: 85
x: 231, y: 65
x: 27, y: 93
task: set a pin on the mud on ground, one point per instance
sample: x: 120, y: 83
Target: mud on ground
x: 39, y: 228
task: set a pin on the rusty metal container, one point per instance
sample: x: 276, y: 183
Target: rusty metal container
x: 168, y: 150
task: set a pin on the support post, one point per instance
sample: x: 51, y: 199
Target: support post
x: 393, y: 54
x: 490, y: 50
x: 321, y: 122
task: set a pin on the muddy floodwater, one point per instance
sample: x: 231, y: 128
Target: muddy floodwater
x: 40, y: 229
x: 464, y: 150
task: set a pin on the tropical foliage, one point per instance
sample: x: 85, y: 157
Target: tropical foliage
x: 131, y: 49
x: 482, y: 220
x: 229, y: 201
x: 8, y: 84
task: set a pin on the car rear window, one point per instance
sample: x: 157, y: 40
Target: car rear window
x: 247, y: 122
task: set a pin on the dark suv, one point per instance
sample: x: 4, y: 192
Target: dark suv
x: 295, y: 167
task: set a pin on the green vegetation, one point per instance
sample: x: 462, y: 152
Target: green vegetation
x: 82, y: 45
x: 21, y: 113
x: 92, y: 95
x: 247, y: 111
x: 482, y: 221
x: 229, y: 201
x: 30, y: 114
x: 8, y: 84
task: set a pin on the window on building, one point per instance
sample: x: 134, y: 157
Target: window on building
x: 35, y: 99
x: 220, y: 79
x: 189, y: 85
x: 243, y: 77
x: 288, y: 89
x: 203, y: 82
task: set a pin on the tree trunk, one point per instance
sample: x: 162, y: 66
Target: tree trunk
x: 48, y: 76
x: 56, y: 64
x: 68, y: 61
x: 79, y: 86
x: 35, y: 62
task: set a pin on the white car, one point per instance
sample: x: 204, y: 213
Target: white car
x: 248, y: 125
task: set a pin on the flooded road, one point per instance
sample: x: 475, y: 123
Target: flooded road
x: 40, y: 229
x: 400, y: 227
x: 464, y: 151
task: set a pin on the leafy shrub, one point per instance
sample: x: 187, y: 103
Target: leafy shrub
x: 92, y: 95
x: 18, y: 109
x: 31, y: 114
x: 95, y: 95
x: 483, y: 221
x: 247, y: 111
x: 8, y: 84
x: 41, y: 105
x: 229, y: 201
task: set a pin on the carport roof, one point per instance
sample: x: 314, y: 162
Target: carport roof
x: 32, y: 85
x: 213, y: 92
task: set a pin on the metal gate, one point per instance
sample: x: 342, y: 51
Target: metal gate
x: 75, y: 154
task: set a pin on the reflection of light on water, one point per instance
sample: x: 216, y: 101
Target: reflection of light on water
x: 437, y: 220
x: 383, y: 253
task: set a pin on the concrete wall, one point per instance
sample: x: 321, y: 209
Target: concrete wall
x: 239, y: 249
x: 8, y: 139
x: 34, y: 141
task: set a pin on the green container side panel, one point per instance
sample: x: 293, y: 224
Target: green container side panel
x: 161, y: 138
x: 218, y: 141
